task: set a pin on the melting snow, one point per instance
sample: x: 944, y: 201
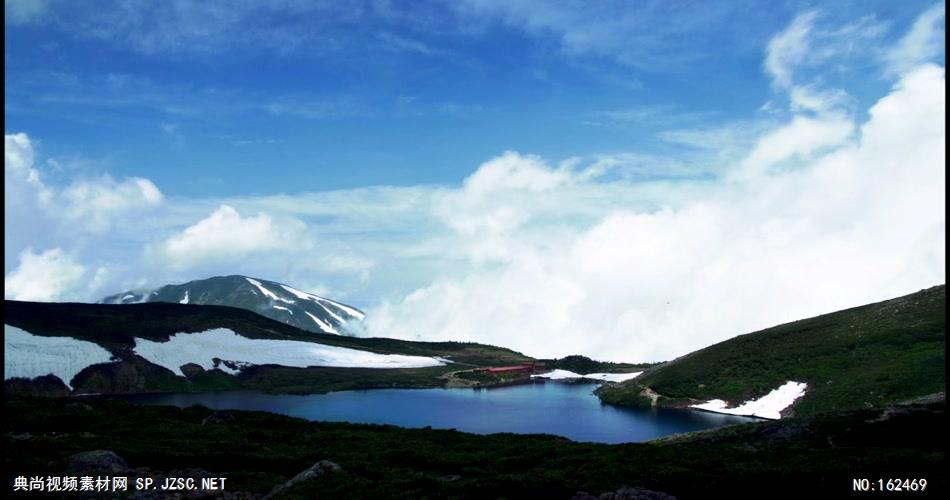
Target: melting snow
x: 319, y: 300
x: 222, y: 343
x: 267, y: 293
x: 607, y: 377
x: 349, y: 310
x: 331, y: 313
x: 30, y: 356
x: 127, y: 296
x: 768, y: 406
x: 283, y: 308
x: 184, y: 300
x: 299, y: 294
x: 323, y: 325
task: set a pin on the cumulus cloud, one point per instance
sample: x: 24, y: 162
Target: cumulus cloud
x: 94, y: 202
x: 66, y: 217
x: 225, y: 235
x: 922, y: 43
x: 83, y: 203
x: 43, y: 277
x: 855, y: 220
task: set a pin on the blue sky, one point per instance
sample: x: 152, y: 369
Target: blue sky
x: 416, y: 158
x: 203, y: 97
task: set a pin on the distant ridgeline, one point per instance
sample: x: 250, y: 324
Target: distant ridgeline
x: 268, y: 298
x: 868, y: 356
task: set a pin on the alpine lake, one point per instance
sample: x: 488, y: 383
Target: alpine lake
x: 570, y: 410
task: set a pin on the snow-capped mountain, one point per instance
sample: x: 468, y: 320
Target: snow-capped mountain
x: 267, y: 298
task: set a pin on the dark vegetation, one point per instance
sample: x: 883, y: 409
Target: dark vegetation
x: 489, y: 379
x: 867, y: 356
x: 320, y: 379
x: 257, y: 451
x: 584, y: 365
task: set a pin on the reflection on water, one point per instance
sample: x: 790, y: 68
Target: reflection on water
x: 569, y: 410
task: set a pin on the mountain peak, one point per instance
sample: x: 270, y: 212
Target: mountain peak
x: 268, y: 298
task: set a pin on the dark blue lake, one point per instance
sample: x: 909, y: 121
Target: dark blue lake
x: 569, y: 410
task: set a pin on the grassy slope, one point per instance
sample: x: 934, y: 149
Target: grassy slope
x: 871, y: 355
x: 258, y: 450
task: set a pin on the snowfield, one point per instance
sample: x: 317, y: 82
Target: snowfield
x: 768, y: 406
x: 200, y: 348
x: 30, y: 356
x: 606, y: 377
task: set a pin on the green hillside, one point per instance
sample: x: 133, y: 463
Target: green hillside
x: 867, y: 356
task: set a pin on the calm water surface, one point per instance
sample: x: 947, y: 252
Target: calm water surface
x: 569, y: 410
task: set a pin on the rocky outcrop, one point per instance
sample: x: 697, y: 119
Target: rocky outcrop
x: 45, y: 386
x: 316, y: 470
x: 127, y: 376
x: 96, y: 462
x: 218, y: 417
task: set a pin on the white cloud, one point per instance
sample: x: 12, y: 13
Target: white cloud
x: 640, y: 35
x: 852, y: 222
x: 95, y: 202
x: 17, y: 152
x: 78, y: 219
x: 91, y: 202
x: 789, y: 49
x: 798, y: 140
x: 810, y: 99
x: 922, y: 43
x: 43, y: 277
x: 225, y: 235
x: 18, y: 166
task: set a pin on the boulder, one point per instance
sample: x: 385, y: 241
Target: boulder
x: 218, y: 417
x: 97, y: 462
x: 316, y: 470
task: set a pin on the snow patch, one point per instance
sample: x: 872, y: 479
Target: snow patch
x: 327, y: 327
x: 30, y: 356
x: 267, y: 293
x: 768, y: 406
x: 283, y: 308
x: 299, y: 294
x: 127, y: 296
x: 349, y: 310
x: 606, y: 377
x: 318, y: 300
x: 331, y: 313
x: 184, y: 300
x: 202, y: 347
